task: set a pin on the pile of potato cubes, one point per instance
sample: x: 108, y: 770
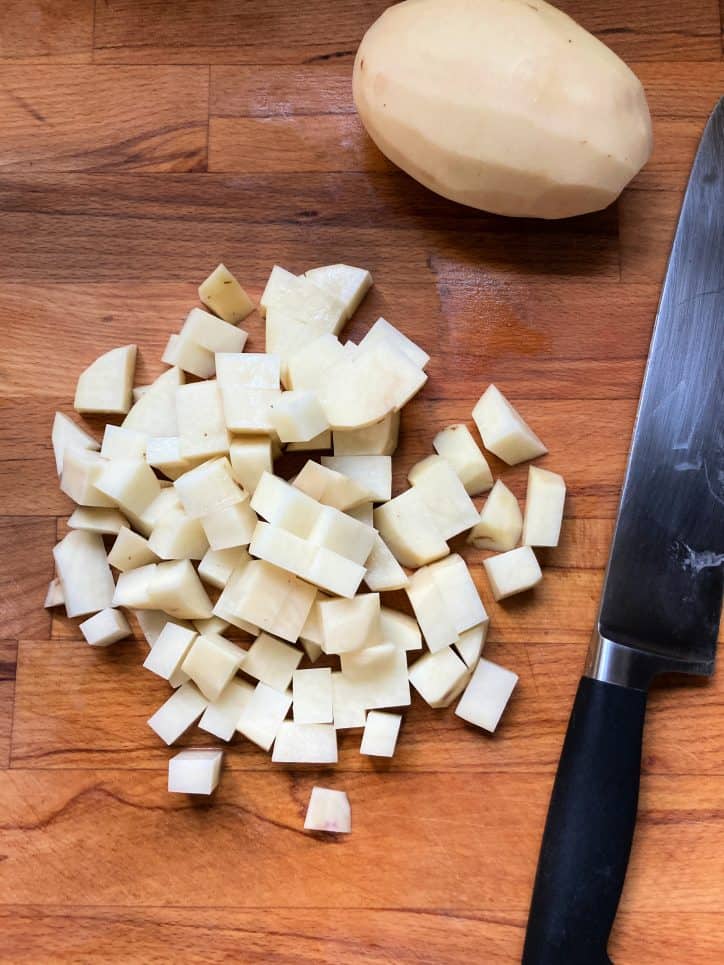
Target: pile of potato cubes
x: 207, y: 539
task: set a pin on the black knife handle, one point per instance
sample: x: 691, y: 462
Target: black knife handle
x: 590, y: 826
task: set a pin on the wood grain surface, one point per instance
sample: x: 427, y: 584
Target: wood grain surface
x: 143, y: 141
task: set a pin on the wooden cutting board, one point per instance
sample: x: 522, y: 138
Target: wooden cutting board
x: 141, y: 144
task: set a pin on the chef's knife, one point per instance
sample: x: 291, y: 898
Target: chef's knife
x: 662, y: 596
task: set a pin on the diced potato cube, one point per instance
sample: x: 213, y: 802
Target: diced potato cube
x: 164, y: 454
x: 284, y: 506
x: 208, y: 487
x: 54, y: 595
x: 382, y: 331
x: 212, y: 333
x: 273, y: 599
x: 132, y: 588
x: 512, y: 572
x: 130, y: 482
x: 105, y: 628
x: 400, y: 629
x: 305, y: 744
x: 349, y: 625
x: 217, y: 565
x: 230, y: 527
x: 165, y: 503
x: 130, y: 551
x: 486, y: 695
x: 340, y: 533
x: 470, y: 644
x: 456, y: 444
x: 194, y: 771
x: 328, y: 811
x: 121, y: 443
x: 365, y: 514
x: 223, y: 294
x: 176, y: 536
x: 372, y: 473
x: 347, y: 284
x: 379, y: 439
x: 380, y: 734
x: 152, y: 623
x: 263, y: 715
x: 211, y: 625
x: 500, y: 523
x: 312, y: 696
x: 82, y: 468
x: 272, y: 661
x: 222, y: 715
x: 67, y: 434
x: 309, y: 304
x: 381, y: 673
x: 503, y: 430
x: 169, y: 652
x: 457, y: 588
x: 97, y: 520
x: 311, y: 361
x: 443, y: 492
x: 201, y: 426
x: 279, y: 280
x: 410, y: 530
x: 251, y: 457
x: 431, y: 611
x: 435, y: 675
x: 335, y: 573
x: 184, y: 353
x: 176, y: 589
x: 182, y: 709
x: 297, y: 416
x: 107, y: 384
x: 211, y: 663
x: 369, y: 386
x: 543, y: 508
x: 330, y: 487
x: 383, y: 572
x: 155, y: 412
x: 84, y: 573
x: 349, y: 701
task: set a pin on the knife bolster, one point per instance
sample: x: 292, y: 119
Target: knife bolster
x: 627, y: 666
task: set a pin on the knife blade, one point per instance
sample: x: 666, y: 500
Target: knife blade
x: 662, y: 596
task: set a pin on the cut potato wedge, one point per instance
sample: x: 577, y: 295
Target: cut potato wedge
x: 369, y: 386
x: 155, y: 412
x: 456, y: 444
x: 107, y: 384
x: 503, y: 430
x: 382, y: 331
x: 500, y: 523
x: 223, y: 294
x: 84, y: 573
x: 347, y: 284
x: 66, y: 434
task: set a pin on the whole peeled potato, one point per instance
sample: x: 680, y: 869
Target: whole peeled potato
x: 505, y: 105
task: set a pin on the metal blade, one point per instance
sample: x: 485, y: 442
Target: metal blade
x: 663, y: 589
